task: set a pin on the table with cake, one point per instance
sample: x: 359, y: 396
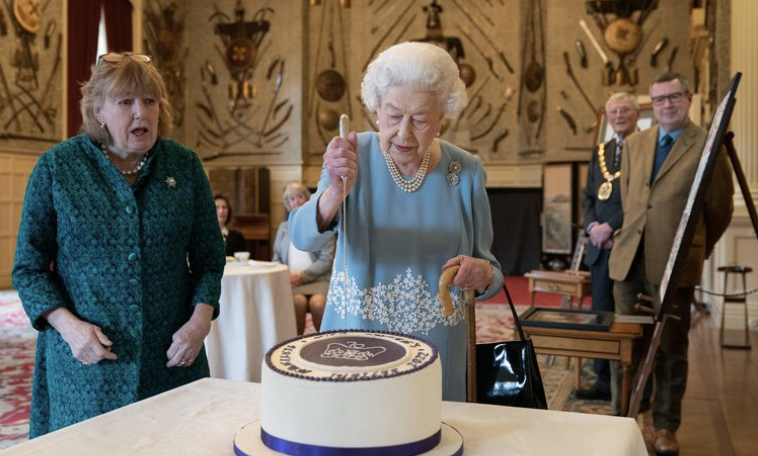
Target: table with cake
x: 344, y: 392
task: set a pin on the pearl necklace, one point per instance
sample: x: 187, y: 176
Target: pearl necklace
x: 414, y: 184
x: 128, y: 172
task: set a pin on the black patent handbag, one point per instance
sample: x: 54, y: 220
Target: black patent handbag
x: 507, y: 373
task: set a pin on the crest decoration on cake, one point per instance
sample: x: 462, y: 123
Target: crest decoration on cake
x: 351, y: 350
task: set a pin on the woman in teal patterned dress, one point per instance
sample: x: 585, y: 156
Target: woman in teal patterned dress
x: 119, y: 256
x: 403, y: 231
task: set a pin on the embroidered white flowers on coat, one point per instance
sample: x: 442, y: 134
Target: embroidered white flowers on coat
x: 406, y: 305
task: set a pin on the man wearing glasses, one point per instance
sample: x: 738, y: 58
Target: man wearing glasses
x: 601, y: 205
x: 658, y: 168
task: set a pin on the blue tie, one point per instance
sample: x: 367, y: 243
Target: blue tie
x: 661, y: 152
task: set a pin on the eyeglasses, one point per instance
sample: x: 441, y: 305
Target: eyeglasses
x: 116, y: 57
x: 674, y: 98
x: 619, y: 110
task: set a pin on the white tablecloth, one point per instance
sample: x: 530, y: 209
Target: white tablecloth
x: 256, y: 314
x: 202, y: 418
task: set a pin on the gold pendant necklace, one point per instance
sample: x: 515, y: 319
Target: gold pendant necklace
x: 606, y: 188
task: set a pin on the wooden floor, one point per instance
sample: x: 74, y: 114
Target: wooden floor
x: 720, y: 409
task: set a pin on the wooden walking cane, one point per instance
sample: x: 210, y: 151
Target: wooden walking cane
x: 447, y: 310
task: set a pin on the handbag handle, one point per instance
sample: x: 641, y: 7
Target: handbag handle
x: 516, y: 319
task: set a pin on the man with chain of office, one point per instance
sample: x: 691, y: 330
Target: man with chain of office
x: 601, y: 205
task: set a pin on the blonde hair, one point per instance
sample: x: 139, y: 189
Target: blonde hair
x: 114, y: 79
x: 292, y: 189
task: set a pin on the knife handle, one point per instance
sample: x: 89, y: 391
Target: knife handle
x: 344, y: 126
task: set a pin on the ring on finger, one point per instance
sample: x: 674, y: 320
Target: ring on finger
x: 85, y: 363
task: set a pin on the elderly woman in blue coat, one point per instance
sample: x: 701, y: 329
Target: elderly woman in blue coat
x: 119, y: 256
x: 413, y: 205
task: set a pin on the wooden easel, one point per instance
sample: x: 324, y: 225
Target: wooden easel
x: 664, y: 314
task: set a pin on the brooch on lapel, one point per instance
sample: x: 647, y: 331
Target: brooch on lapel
x: 453, y: 173
x: 170, y: 181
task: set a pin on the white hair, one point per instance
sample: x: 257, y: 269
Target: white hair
x: 423, y: 66
x: 623, y: 96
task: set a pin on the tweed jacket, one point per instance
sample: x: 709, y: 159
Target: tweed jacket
x: 133, y: 260
x: 597, y: 210
x: 654, y: 210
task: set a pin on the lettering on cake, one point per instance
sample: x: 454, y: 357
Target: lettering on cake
x: 288, y: 365
x: 418, y: 359
x: 353, y: 376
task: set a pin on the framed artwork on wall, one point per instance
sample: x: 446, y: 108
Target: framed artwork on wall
x: 557, y: 207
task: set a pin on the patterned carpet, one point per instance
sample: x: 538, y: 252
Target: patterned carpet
x: 17, y: 344
x: 494, y: 322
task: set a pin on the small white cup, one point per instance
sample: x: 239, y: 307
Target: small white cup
x: 241, y: 257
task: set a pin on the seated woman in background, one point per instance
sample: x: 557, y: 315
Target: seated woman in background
x: 309, y: 272
x: 233, y: 240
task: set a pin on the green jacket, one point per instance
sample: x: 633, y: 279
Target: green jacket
x: 132, y: 260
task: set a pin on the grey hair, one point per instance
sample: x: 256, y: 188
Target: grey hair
x: 423, y: 66
x: 295, y: 188
x: 666, y: 77
x: 623, y: 96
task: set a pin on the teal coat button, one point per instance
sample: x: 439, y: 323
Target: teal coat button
x: 129, y: 210
x: 132, y: 257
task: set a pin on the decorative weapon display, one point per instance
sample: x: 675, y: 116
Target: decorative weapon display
x: 28, y: 111
x: 259, y: 107
x: 623, y: 33
x: 661, y: 45
x: 487, y: 38
x: 252, y: 120
x: 608, y: 70
x: 582, y: 53
x: 331, y: 86
x: 533, y: 86
x: 164, y: 41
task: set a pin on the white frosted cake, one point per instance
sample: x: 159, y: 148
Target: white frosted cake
x: 353, y: 392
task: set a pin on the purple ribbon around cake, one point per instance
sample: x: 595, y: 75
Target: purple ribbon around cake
x: 302, y: 449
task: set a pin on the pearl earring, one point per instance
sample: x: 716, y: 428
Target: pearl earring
x: 102, y: 125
